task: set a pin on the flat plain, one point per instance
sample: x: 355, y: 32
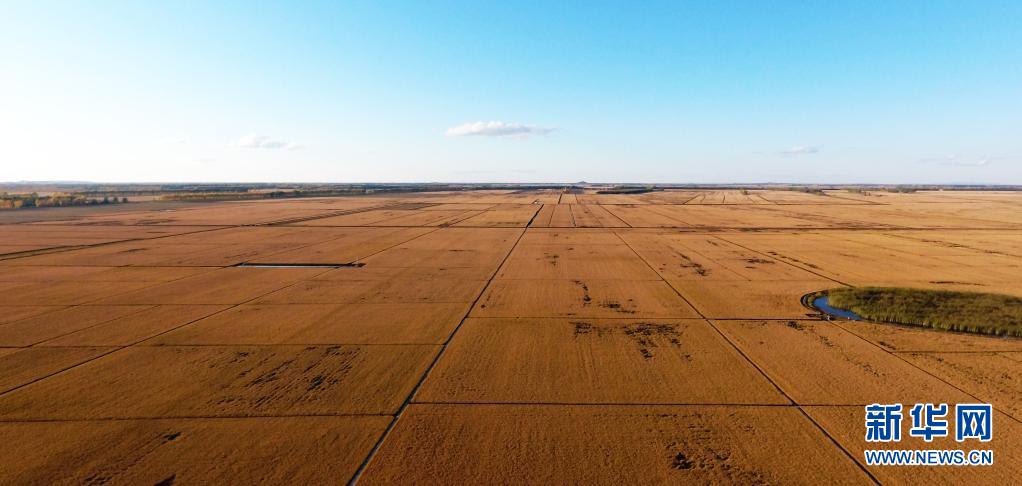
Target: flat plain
x: 498, y: 336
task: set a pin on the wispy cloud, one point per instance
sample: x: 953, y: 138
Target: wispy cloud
x: 960, y: 161
x: 254, y: 141
x: 800, y: 150
x: 496, y: 129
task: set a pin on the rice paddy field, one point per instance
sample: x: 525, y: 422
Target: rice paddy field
x: 517, y: 337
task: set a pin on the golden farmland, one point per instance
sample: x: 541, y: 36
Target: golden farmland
x: 493, y: 337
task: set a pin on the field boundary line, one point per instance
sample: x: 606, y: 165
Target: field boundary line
x: 93, y: 303
x: 619, y: 218
x: 970, y: 351
x: 190, y: 417
x: 638, y: 404
x: 860, y: 201
x: 653, y: 209
x: 253, y: 345
x: 902, y: 358
x: 61, y: 249
x: 816, y: 218
x: 686, y: 229
x: 344, y: 212
x: 757, y: 367
x: 527, y: 225
x: 411, y: 396
x: 782, y: 261
x: 956, y: 245
x: 335, y: 239
x: 452, y: 223
x: 549, y: 220
x: 145, y: 307
x: 121, y: 348
x: 626, y: 224
x: 687, y: 200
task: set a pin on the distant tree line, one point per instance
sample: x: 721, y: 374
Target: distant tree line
x: 299, y: 193
x: 34, y: 200
x: 806, y: 189
x: 236, y: 196
x: 626, y: 190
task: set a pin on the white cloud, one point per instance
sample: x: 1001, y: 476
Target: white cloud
x: 254, y: 141
x: 496, y: 129
x: 800, y: 150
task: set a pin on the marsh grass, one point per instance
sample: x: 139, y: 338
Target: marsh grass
x: 994, y: 314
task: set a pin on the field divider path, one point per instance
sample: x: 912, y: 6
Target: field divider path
x: 527, y: 225
x: 98, y: 299
x: 815, y: 218
x: 875, y: 203
x: 685, y: 201
x: 470, y: 216
x: 64, y: 248
x: 627, y: 404
x: 344, y: 212
x: 653, y: 209
x: 687, y: 229
x: 846, y: 329
x: 443, y: 347
x: 158, y: 283
x: 133, y: 344
x: 952, y: 244
x: 781, y: 260
x: 755, y: 365
x: 902, y: 358
x: 626, y: 223
x: 144, y: 418
x: 115, y: 349
x: 956, y: 351
x: 546, y: 224
x: 288, y: 250
x: 699, y: 196
x: 100, y: 323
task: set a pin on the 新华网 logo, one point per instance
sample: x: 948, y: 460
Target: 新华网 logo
x: 972, y: 421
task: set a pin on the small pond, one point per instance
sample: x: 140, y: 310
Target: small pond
x: 823, y: 304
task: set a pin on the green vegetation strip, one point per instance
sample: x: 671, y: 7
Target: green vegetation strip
x: 995, y: 314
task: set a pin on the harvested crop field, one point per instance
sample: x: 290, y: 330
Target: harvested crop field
x: 501, y: 336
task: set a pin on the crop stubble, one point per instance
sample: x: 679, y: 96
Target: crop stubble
x: 132, y: 350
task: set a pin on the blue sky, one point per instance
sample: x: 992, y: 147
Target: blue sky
x: 886, y: 92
